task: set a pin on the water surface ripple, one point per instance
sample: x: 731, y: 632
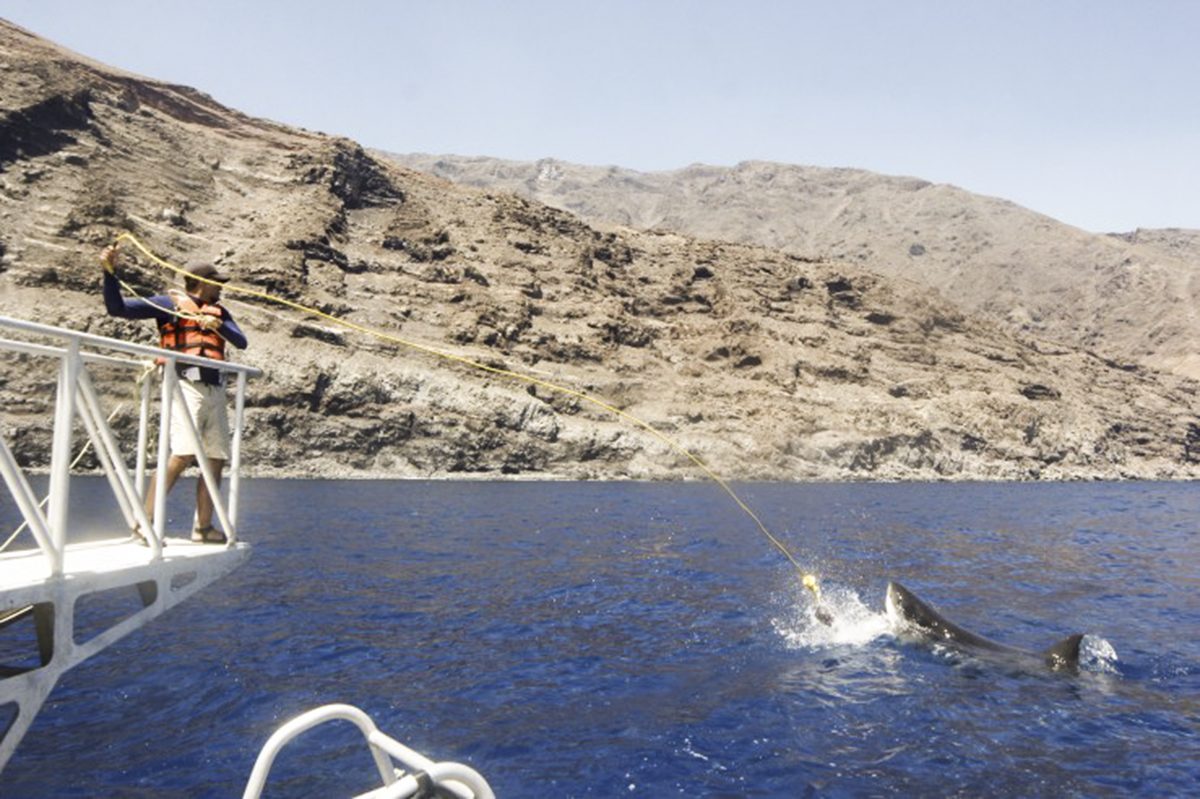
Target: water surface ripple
x: 632, y: 639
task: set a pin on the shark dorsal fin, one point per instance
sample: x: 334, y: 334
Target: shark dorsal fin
x: 1064, y: 654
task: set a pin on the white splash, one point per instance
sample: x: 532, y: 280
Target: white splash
x: 1097, y: 655
x: 854, y: 623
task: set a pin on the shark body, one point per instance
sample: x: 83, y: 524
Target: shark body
x: 913, y: 612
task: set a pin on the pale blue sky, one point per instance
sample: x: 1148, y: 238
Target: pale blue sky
x: 1085, y: 110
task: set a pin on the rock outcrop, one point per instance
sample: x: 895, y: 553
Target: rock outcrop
x: 764, y: 364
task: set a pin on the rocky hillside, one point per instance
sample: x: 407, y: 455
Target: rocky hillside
x: 766, y: 364
x: 1129, y: 297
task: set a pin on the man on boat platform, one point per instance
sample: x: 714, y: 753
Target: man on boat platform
x: 191, y: 321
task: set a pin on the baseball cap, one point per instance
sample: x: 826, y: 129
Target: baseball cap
x: 206, y: 271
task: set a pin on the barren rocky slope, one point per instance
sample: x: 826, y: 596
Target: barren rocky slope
x: 1132, y: 297
x: 765, y: 364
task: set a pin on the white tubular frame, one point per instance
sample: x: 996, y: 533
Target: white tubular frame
x: 462, y: 781
x: 77, y: 397
x: 48, y: 580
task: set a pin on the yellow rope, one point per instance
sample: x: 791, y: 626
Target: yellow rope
x: 809, y: 580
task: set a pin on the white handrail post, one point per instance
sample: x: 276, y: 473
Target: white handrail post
x: 235, y: 464
x: 170, y: 378
x: 60, y: 458
x: 143, y: 437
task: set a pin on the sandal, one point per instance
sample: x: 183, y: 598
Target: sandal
x: 208, y: 535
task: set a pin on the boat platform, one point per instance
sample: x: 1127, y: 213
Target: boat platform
x: 106, y: 590
x: 64, y: 597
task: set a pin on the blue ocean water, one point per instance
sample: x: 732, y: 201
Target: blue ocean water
x: 625, y: 639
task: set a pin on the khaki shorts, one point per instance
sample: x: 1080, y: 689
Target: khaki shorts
x: 206, y: 405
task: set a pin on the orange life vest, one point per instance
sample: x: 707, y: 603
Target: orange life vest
x: 184, y: 333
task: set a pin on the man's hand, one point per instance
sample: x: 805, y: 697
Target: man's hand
x: 210, y: 323
x: 111, y: 257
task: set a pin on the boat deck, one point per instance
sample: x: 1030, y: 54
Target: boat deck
x: 25, y: 575
x: 121, y: 584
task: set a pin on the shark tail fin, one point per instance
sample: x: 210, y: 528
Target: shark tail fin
x: 1064, y: 654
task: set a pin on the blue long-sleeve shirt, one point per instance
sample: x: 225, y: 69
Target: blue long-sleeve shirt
x: 161, y: 309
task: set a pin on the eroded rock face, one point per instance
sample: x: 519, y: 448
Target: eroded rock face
x: 765, y: 365
x: 1130, y: 296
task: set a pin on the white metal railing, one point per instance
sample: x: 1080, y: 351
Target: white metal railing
x: 460, y: 780
x: 76, y: 396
